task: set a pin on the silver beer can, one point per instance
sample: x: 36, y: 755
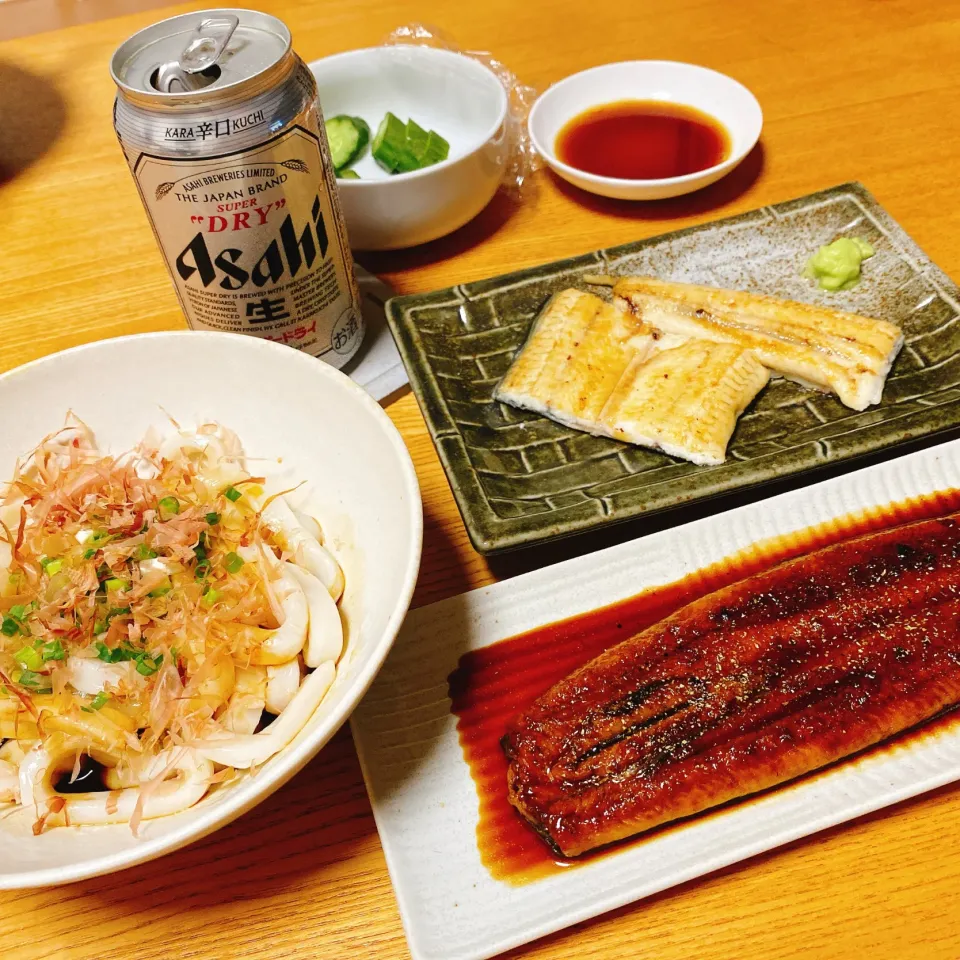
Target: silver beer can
x: 219, y: 121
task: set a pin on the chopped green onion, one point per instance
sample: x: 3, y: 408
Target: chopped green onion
x: 29, y: 658
x: 116, y: 612
x: 147, y: 665
x: 53, y: 651
x: 233, y: 562
x: 31, y: 680
x: 126, y: 651
x: 200, y: 550
x: 160, y: 591
x: 99, y: 627
x: 51, y: 565
x: 212, y: 518
x: 168, y: 507
x: 143, y: 552
x: 89, y: 553
x: 203, y: 570
x: 100, y: 536
x: 115, y: 583
x: 99, y: 701
x: 210, y: 597
x: 232, y: 494
x: 18, y: 612
x: 9, y: 627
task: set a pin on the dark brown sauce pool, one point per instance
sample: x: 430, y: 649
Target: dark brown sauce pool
x: 89, y: 778
x: 642, y: 140
x: 492, y: 685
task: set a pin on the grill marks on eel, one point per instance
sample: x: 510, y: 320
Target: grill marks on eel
x: 755, y: 684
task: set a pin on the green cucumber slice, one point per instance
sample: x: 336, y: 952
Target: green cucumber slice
x: 402, y: 147
x: 436, y: 149
x: 416, y: 139
x: 363, y: 128
x: 348, y: 174
x: 390, y: 146
x: 346, y: 138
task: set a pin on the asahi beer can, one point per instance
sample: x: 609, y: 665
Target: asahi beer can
x: 219, y: 122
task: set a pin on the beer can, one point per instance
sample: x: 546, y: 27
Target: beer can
x: 219, y: 122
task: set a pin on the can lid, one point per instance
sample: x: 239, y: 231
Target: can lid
x: 211, y: 50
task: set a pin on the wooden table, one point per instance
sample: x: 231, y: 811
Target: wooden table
x: 857, y: 90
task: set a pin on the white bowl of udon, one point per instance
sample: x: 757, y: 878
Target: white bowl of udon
x: 208, y: 544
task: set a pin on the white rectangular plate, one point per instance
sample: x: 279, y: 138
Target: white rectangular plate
x: 424, y: 799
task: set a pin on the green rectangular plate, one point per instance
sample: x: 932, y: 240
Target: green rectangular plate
x: 520, y: 479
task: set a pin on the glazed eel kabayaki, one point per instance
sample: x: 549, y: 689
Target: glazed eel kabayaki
x: 748, y: 687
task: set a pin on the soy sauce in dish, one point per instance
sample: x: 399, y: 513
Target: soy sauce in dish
x: 642, y: 140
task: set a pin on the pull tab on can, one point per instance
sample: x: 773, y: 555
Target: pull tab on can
x: 206, y: 48
x: 202, y: 52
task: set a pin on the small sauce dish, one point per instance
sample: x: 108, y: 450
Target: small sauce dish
x: 732, y: 107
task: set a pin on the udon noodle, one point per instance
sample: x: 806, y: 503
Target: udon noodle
x: 166, y: 619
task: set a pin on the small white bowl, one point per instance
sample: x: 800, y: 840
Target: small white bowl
x: 714, y: 93
x: 452, y: 94
x: 360, y: 483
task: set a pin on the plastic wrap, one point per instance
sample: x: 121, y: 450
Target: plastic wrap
x: 522, y: 159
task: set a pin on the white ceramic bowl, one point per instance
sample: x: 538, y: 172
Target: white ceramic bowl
x: 361, y: 485
x: 452, y: 94
x: 714, y: 93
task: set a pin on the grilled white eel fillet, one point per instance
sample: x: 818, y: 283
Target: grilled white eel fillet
x: 597, y: 368
x: 842, y: 352
x: 686, y: 400
x: 576, y: 353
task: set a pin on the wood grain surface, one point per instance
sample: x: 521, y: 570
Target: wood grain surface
x: 865, y: 89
